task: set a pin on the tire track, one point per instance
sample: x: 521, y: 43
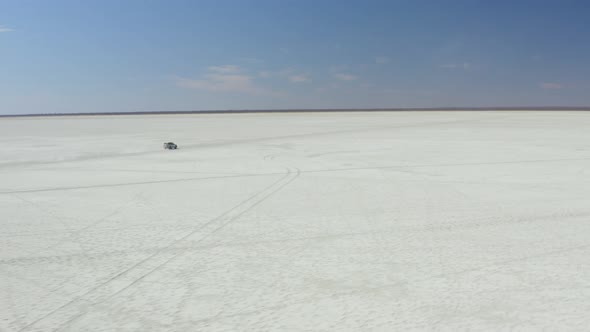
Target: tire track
x: 410, y: 231
x: 325, y: 170
x: 492, y: 267
x: 129, y: 277
x: 124, y: 184
x: 234, y: 142
x: 71, y: 237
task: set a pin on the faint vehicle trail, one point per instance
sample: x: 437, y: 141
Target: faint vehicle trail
x: 244, y: 141
x: 476, y: 223
x: 344, y: 169
x: 107, y: 290
x: 43, y: 209
x: 130, y: 183
x: 269, y: 157
x: 391, y: 285
x: 70, y: 237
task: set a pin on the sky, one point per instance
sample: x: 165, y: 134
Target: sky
x: 121, y: 56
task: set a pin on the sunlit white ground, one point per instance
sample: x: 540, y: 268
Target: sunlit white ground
x: 295, y: 222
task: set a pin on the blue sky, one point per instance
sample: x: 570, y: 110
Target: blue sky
x: 92, y: 56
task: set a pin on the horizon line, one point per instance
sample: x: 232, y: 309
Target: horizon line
x: 308, y: 110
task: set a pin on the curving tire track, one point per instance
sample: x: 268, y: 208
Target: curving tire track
x: 324, y: 170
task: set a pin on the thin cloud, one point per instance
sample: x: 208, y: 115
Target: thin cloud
x: 285, y: 72
x: 345, y: 77
x: 551, y: 86
x: 225, y: 69
x: 338, y: 68
x: 381, y: 60
x: 222, y: 83
x: 462, y: 66
x: 252, y: 60
x: 289, y: 74
x: 299, y: 78
x: 5, y: 29
x: 225, y: 78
